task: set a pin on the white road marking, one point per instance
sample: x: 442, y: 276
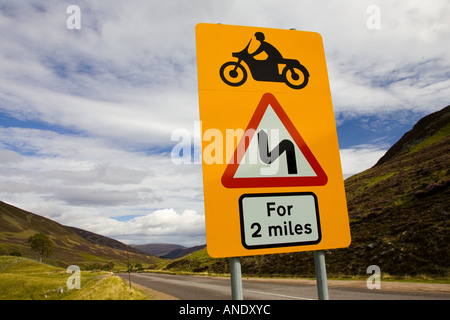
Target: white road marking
x: 278, y: 295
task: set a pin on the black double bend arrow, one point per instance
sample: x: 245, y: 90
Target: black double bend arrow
x: 284, y: 146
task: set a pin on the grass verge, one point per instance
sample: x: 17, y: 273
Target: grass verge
x: 107, y: 288
x: 25, y: 279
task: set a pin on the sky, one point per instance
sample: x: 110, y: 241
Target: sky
x: 89, y: 102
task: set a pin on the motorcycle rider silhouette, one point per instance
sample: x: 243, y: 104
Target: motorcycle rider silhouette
x: 273, y: 55
x: 293, y: 73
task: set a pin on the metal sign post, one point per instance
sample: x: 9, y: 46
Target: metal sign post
x: 129, y: 268
x: 321, y: 274
x: 236, y: 278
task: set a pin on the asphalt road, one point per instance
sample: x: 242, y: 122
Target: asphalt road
x: 187, y: 287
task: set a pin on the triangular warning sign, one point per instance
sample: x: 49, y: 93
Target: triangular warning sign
x: 272, y: 153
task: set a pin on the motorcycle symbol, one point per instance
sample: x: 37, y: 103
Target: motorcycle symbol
x: 274, y: 69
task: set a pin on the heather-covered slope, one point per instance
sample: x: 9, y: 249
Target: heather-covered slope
x: 17, y: 225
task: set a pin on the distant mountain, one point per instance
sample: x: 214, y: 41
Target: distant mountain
x: 71, y: 245
x: 105, y: 241
x: 158, y: 249
x: 178, y: 253
x: 399, y: 215
x: 166, y: 250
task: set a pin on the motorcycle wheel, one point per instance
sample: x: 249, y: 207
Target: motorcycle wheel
x: 296, y: 78
x: 233, y: 74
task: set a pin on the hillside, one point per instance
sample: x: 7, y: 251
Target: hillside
x: 436, y: 125
x: 102, y: 240
x: 17, y: 225
x: 399, y: 215
x: 400, y: 207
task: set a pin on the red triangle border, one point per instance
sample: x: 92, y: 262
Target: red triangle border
x: 228, y: 179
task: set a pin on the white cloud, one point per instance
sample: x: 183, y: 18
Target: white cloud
x: 187, y: 227
x: 360, y: 158
x: 76, y: 180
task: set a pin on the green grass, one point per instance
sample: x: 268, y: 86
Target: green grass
x: 107, y: 288
x: 380, y: 178
x: 443, y: 132
x: 198, y: 261
x: 26, y: 279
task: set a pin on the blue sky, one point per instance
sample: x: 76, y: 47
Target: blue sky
x: 86, y: 116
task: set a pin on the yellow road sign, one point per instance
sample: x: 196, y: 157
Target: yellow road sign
x: 272, y: 175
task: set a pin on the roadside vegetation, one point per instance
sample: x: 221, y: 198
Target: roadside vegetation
x: 26, y: 279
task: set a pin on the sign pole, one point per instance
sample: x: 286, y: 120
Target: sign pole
x: 321, y: 274
x: 236, y: 278
x: 129, y: 268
